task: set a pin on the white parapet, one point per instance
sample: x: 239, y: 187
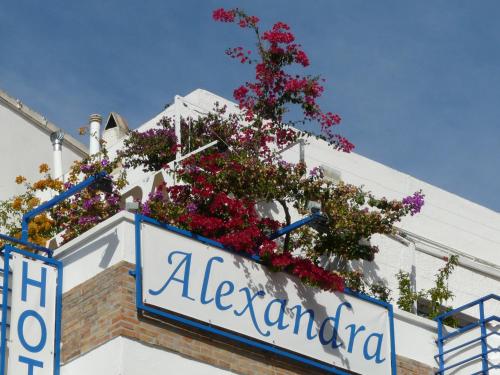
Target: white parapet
x: 135, y: 358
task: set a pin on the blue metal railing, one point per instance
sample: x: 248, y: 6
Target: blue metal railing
x: 482, y: 339
x: 5, y: 311
x: 30, y: 245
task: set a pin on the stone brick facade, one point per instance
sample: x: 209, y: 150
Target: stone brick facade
x: 104, y: 307
x: 407, y: 366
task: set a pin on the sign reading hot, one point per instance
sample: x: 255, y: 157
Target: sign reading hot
x: 231, y: 293
x: 33, y: 314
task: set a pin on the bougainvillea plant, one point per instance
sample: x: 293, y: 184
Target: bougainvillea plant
x: 152, y: 149
x: 73, y: 216
x: 90, y: 206
x: 218, y: 191
x: 42, y: 227
x: 242, y: 190
x: 275, y: 86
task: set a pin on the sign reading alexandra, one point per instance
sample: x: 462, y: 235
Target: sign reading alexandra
x: 226, y: 290
x: 32, y: 317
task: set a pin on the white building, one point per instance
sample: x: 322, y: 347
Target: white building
x: 108, y: 328
x: 26, y: 143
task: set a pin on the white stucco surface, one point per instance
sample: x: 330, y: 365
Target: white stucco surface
x: 24, y: 146
x: 134, y: 358
x: 105, y: 245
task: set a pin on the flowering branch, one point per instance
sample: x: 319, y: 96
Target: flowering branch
x: 274, y: 89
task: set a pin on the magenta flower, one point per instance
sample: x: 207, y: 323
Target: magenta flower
x: 191, y: 207
x: 414, y: 202
x: 86, y: 168
x: 146, y: 210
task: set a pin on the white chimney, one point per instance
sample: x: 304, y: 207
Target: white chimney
x: 57, y: 138
x: 95, y: 133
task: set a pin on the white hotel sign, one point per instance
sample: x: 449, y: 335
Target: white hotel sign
x: 32, y: 343
x: 222, y: 289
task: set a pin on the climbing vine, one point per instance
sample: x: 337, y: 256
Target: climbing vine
x: 438, y: 296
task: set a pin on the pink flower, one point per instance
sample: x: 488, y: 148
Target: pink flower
x: 240, y: 93
x: 302, y: 58
x: 279, y: 34
x: 222, y: 15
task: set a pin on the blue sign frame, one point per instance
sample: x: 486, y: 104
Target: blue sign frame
x: 7, y: 250
x: 239, y: 338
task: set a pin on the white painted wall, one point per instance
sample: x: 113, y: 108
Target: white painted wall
x: 105, y: 245
x: 23, y: 147
x: 134, y: 358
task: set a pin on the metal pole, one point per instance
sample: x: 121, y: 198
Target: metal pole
x: 440, y: 346
x: 484, y: 347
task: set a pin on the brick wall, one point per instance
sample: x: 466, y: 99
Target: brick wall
x: 104, y: 307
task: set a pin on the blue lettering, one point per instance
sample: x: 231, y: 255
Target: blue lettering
x: 380, y: 338
x: 249, y: 307
x: 20, y: 331
x: 354, y: 332
x: 335, y: 326
x: 298, y: 316
x: 186, y: 260
x: 31, y: 363
x: 281, y: 314
x: 219, y: 294
x: 204, y: 299
x: 39, y: 284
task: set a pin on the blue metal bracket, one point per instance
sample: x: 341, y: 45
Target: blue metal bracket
x: 309, y: 220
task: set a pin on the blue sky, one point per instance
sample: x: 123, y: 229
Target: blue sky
x: 417, y: 83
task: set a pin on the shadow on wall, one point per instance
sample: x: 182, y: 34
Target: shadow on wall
x: 106, y: 244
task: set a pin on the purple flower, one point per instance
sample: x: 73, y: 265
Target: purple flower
x: 155, y: 195
x: 146, y: 210
x: 193, y: 168
x: 113, y: 200
x: 88, y: 220
x: 191, y: 207
x: 87, y: 204
x: 414, y: 202
x: 104, y: 162
x: 86, y: 168
x: 284, y: 164
x: 316, y: 172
